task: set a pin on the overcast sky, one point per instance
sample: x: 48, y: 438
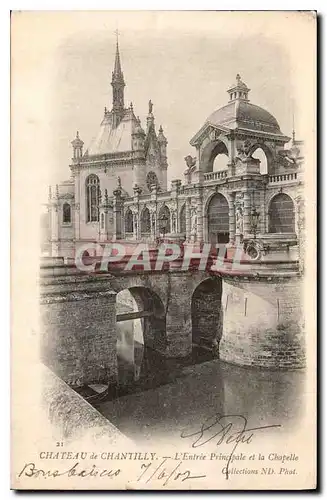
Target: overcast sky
x: 183, y: 62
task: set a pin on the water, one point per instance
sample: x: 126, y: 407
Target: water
x: 169, y: 395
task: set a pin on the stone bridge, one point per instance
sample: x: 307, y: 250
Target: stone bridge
x: 252, y: 318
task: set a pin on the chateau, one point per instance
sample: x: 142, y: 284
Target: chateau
x: 118, y: 185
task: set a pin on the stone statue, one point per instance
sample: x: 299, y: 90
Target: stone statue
x: 119, y: 182
x: 173, y: 221
x: 150, y: 107
x: 239, y: 219
x: 190, y: 162
x: 194, y: 221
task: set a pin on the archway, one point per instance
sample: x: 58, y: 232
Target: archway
x: 214, y: 154
x: 207, y: 314
x: 218, y: 219
x: 260, y: 155
x: 281, y: 214
x: 145, y: 222
x: 141, y: 330
x: 164, y: 220
x: 260, y: 151
x: 129, y: 225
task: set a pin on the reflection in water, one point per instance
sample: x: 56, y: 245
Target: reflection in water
x: 159, y: 397
x: 170, y: 395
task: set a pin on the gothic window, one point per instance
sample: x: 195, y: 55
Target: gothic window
x: 281, y: 214
x: 129, y: 226
x: 151, y: 180
x: 66, y: 213
x: 164, y: 219
x: 145, y: 221
x: 92, y: 198
x: 102, y: 221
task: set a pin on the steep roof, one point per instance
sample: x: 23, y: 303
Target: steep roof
x: 113, y: 139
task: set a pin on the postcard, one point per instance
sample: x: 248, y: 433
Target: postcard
x: 163, y: 218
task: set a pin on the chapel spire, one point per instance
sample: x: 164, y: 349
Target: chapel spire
x: 118, y: 84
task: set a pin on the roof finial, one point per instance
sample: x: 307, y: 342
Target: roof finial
x: 150, y: 107
x: 77, y: 134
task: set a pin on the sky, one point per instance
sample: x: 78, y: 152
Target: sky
x: 183, y: 62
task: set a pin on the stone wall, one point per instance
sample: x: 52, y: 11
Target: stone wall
x: 263, y: 323
x: 79, y: 336
x: 72, y: 416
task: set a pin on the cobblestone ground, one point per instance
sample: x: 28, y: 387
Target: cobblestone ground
x: 202, y: 390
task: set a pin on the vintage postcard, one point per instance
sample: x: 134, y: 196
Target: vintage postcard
x: 163, y: 250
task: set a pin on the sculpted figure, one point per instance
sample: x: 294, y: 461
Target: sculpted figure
x: 190, y: 162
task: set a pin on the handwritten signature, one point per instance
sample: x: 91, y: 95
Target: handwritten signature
x: 225, y: 429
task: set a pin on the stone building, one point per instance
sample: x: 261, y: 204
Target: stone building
x: 118, y: 185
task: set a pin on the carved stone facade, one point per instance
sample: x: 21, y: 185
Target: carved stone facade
x: 232, y: 206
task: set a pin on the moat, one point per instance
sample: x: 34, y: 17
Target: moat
x: 169, y: 395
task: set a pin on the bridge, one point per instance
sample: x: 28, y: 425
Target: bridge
x: 251, y: 317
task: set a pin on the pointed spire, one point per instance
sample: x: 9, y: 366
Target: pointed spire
x: 118, y: 85
x: 117, y: 73
x: 161, y: 136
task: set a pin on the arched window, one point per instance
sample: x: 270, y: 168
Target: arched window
x: 66, y: 213
x: 145, y: 221
x: 151, y: 180
x: 164, y: 219
x: 92, y: 198
x: 281, y: 214
x: 129, y: 226
x: 218, y: 219
x: 182, y: 220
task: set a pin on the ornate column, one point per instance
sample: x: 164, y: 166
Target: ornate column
x: 188, y: 217
x: 154, y: 224
x: 55, y: 224
x: 232, y: 222
x: 247, y: 214
x: 105, y: 229
x: 77, y: 214
x: 136, y: 212
x: 262, y: 210
x: 199, y: 214
x: 118, y: 212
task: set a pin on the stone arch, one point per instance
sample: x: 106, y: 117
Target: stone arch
x: 254, y: 152
x: 164, y: 219
x: 151, y: 311
x: 66, y: 213
x: 129, y: 223
x: 217, y: 216
x: 141, y: 327
x: 145, y: 221
x: 182, y: 219
x: 281, y: 214
x: 210, y: 152
x: 206, y: 313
